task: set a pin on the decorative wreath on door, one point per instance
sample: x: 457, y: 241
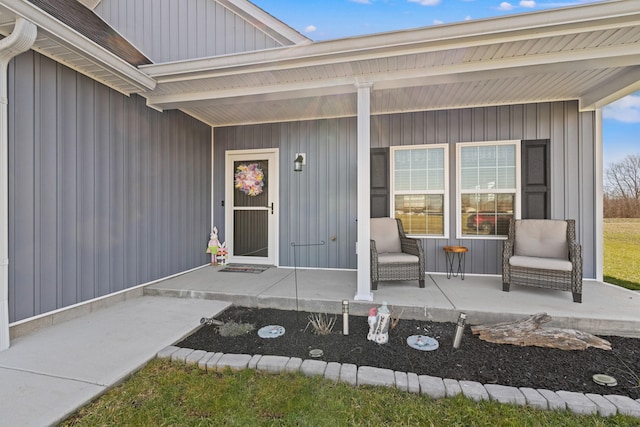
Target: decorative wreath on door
x: 249, y: 179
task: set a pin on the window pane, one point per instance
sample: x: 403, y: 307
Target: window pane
x: 418, y: 158
x: 486, y: 214
x: 486, y: 178
x: 506, y: 155
x: 402, y: 159
x: 506, y: 177
x: 421, y: 214
x: 468, y: 179
x: 436, y: 158
x: 487, y: 156
x: 418, y: 171
x: 469, y: 157
x: 435, y: 180
x: 418, y: 179
x: 494, y: 167
x: 402, y: 180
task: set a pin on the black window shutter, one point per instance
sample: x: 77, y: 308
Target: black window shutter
x: 536, y: 174
x: 380, y: 191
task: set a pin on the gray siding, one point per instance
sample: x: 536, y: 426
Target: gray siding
x: 315, y: 204
x: 173, y: 30
x: 572, y: 165
x: 319, y: 202
x: 104, y: 193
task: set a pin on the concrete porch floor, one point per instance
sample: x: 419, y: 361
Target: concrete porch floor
x: 606, y: 309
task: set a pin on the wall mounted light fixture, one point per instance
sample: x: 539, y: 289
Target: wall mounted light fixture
x: 298, y: 162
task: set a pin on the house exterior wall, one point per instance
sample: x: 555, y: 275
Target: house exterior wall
x: 173, y: 30
x: 315, y: 204
x: 320, y: 202
x: 104, y: 193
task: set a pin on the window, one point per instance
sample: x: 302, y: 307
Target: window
x: 419, y: 183
x: 488, y: 187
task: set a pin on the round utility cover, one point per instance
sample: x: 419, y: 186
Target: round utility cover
x: 422, y: 343
x: 271, y: 331
x: 602, y: 379
x: 316, y: 352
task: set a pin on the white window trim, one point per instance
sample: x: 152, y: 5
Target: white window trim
x: 517, y: 143
x: 447, y: 190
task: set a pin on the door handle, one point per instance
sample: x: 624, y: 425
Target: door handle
x: 270, y: 207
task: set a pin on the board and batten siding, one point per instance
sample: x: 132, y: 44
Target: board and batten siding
x: 314, y: 205
x: 319, y: 202
x: 572, y: 142
x: 104, y: 193
x: 174, y: 30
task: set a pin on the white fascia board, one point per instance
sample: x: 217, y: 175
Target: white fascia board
x: 616, y: 88
x: 578, y: 19
x: 80, y: 44
x: 254, y: 14
x: 514, y: 67
x: 270, y: 93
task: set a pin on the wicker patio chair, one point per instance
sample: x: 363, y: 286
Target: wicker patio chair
x: 394, y: 256
x: 543, y: 253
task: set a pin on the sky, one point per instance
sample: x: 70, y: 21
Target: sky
x: 332, y: 19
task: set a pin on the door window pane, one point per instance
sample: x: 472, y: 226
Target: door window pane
x: 250, y: 233
x: 251, y: 187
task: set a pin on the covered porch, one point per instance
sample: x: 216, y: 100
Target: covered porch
x: 606, y: 309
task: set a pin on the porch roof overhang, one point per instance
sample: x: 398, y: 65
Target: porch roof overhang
x: 66, y: 45
x: 589, y: 53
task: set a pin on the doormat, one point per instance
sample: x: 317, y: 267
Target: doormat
x: 245, y: 268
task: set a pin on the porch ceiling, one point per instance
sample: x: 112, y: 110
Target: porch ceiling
x: 589, y: 53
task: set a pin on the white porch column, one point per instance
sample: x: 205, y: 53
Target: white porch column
x: 20, y: 40
x: 364, y: 190
x: 599, y: 210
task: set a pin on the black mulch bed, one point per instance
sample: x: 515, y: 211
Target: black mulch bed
x: 475, y: 360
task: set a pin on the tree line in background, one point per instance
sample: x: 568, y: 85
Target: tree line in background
x: 622, y: 188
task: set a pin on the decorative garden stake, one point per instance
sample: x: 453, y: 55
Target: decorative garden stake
x: 459, y: 330
x: 222, y: 254
x: 372, y: 320
x: 212, y: 247
x: 345, y: 317
x: 379, y: 324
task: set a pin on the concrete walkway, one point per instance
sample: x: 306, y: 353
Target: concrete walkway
x: 45, y: 376
x: 605, y: 309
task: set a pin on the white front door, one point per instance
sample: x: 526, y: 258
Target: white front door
x: 251, y: 210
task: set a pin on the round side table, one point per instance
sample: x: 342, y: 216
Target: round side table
x: 452, y: 253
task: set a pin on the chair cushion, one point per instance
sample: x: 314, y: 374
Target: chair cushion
x: 385, y: 232
x: 540, y: 263
x: 397, y: 257
x: 544, y: 238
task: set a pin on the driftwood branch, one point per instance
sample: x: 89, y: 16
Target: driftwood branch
x: 530, y: 332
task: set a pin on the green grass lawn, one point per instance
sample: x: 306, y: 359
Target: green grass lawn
x: 622, y: 252
x: 173, y: 394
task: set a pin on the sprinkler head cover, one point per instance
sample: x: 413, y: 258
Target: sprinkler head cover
x: 316, y: 352
x: 602, y: 379
x: 271, y: 331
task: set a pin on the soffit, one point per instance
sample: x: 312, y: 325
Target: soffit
x: 65, y: 45
x: 590, y: 53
